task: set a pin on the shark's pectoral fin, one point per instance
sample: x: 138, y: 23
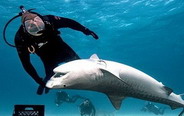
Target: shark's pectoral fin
x: 116, y: 101
x: 110, y: 74
x: 168, y: 90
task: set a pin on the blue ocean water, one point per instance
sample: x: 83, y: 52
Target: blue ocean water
x: 145, y: 34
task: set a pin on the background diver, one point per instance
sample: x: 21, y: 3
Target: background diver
x: 87, y: 108
x: 150, y: 107
x: 39, y: 35
x: 62, y: 96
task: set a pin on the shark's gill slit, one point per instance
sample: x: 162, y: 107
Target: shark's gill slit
x: 57, y: 75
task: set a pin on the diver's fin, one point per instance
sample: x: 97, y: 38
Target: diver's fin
x: 168, y: 90
x: 116, y: 101
x: 94, y: 56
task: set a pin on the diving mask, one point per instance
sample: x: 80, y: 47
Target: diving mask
x: 34, y: 26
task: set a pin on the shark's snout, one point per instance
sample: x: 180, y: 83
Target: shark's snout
x: 53, y: 83
x: 49, y: 84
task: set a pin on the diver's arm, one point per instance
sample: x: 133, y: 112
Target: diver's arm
x: 25, y: 60
x: 57, y: 101
x: 76, y: 97
x: 61, y: 22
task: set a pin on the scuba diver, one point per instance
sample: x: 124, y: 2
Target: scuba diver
x: 153, y: 108
x: 39, y: 35
x: 87, y: 108
x: 62, y: 96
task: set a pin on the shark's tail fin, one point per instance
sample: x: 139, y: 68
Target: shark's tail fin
x: 180, y: 101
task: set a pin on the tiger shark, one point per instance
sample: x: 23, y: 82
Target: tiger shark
x: 114, y: 79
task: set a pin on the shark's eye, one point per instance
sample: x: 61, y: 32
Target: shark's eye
x: 57, y: 75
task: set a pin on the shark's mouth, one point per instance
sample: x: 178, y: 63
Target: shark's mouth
x: 54, y: 81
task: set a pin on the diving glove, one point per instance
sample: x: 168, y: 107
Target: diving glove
x: 89, y: 32
x: 41, y: 82
x: 42, y: 87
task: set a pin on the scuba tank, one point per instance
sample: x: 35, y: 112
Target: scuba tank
x: 20, y: 14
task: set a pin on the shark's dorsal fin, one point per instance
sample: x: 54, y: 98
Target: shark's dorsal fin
x: 94, y: 56
x: 181, y: 95
x: 116, y: 101
x: 168, y: 90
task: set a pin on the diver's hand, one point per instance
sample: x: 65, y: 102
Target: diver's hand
x: 41, y: 82
x: 89, y: 32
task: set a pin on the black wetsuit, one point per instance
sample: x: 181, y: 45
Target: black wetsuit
x: 49, y: 46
